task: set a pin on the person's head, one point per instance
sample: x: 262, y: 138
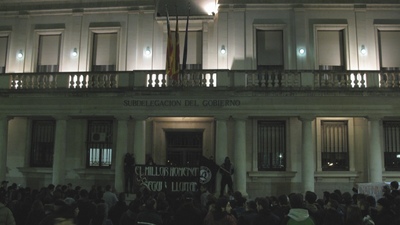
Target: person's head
x: 310, y: 197
x: 394, y: 185
x: 382, y: 204
x: 296, y: 201
x: 347, y: 199
x: 262, y: 203
x: 4, y: 184
x: 227, y: 160
x: 353, y: 215
x: 251, y: 206
x: 223, y: 205
x: 332, y: 204
x: 151, y: 204
x: 283, y: 200
x: 108, y: 187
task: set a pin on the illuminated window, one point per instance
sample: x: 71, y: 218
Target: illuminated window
x: 392, y: 145
x: 271, y: 145
x: 335, y: 145
x: 42, y: 143
x: 100, y: 143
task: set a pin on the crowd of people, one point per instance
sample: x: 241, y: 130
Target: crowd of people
x: 66, y: 205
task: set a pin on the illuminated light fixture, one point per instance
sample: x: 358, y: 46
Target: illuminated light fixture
x: 223, y: 50
x: 398, y: 156
x: 363, y: 50
x: 74, y: 52
x: 302, y: 51
x: 147, y: 51
x: 211, y: 8
x: 20, y: 54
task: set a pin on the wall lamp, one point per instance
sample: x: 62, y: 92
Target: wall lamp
x: 302, y: 51
x: 74, y: 52
x: 223, y: 50
x: 147, y: 51
x: 363, y: 50
x: 20, y: 54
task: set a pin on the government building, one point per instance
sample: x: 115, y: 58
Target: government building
x: 300, y: 95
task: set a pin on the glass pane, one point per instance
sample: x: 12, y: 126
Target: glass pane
x: 271, y: 143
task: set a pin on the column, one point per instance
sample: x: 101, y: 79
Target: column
x: 121, y: 150
x: 375, y: 152
x: 239, y: 156
x: 3, y: 146
x: 139, y: 144
x: 308, y: 154
x: 221, y: 146
x: 60, y: 147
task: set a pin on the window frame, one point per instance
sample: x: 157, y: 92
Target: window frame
x: 45, y: 32
x: 377, y: 29
x: 384, y: 144
x: 39, y: 163
x: 6, y: 34
x: 271, y: 27
x: 350, y: 139
x: 346, y: 47
x: 103, y: 30
x: 255, y: 144
x: 109, y: 144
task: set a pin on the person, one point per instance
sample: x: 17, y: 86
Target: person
x: 394, y: 186
x: 86, y: 208
x: 384, y: 214
x: 149, y: 215
x: 6, y: 216
x: 265, y: 216
x: 297, y: 214
x: 101, y: 215
x: 353, y: 216
x: 115, y: 212
x: 221, y: 214
x: 109, y: 197
x: 188, y: 213
x: 226, y: 170
x: 248, y: 216
x: 129, y: 166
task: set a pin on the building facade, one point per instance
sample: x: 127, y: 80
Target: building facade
x: 299, y: 96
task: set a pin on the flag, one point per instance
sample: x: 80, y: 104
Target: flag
x: 208, y: 173
x: 185, y: 45
x: 177, y: 51
x: 169, y: 67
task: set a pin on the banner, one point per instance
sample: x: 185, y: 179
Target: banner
x: 170, y: 179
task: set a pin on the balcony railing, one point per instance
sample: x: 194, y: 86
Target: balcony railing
x: 252, y: 79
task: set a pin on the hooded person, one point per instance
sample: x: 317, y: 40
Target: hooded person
x: 298, y: 215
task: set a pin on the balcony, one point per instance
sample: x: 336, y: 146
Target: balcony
x: 213, y: 79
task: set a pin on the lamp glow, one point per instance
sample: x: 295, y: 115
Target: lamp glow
x: 20, y: 54
x: 223, y: 50
x: 363, y: 50
x: 211, y: 8
x: 147, y: 51
x: 302, y: 51
x: 74, y: 52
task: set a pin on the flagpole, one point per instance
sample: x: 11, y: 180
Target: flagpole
x: 185, y: 44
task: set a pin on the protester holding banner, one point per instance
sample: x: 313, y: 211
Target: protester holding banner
x: 226, y: 170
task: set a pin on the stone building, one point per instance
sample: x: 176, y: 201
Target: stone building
x: 300, y: 95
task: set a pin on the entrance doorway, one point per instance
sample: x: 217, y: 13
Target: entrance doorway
x: 184, y: 147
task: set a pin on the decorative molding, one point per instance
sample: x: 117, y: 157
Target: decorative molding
x: 272, y: 174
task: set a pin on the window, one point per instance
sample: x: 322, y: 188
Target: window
x: 48, y: 53
x: 100, y: 143
x: 184, y: 148
x: 194, y: 51
x: 334, y: 145
x: 3, y: 53
x: 389, y: 49
x: 392, y: 145
x: 330, y: 45
x: 42, y: 143
x: 104, y: 55
x: 271, y: 145
x: 269, y: 49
